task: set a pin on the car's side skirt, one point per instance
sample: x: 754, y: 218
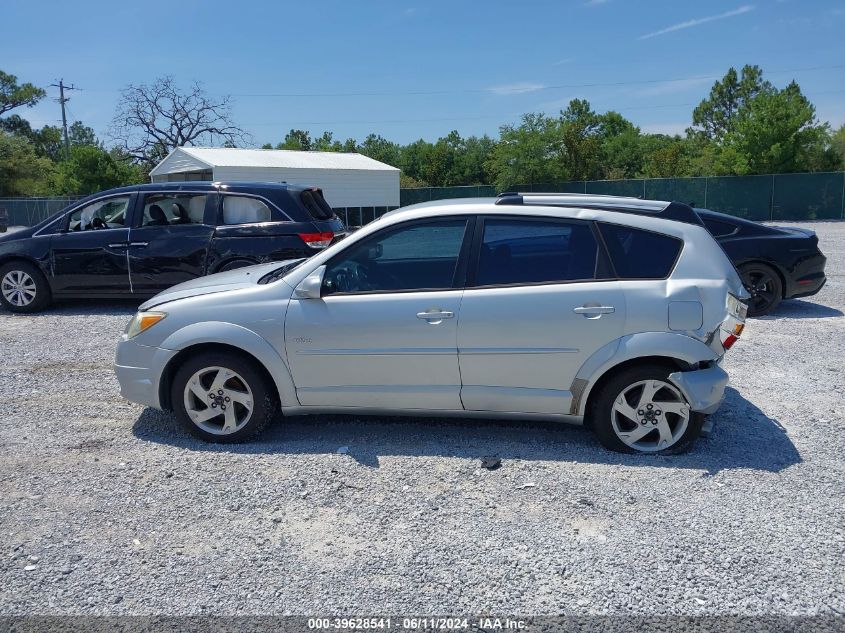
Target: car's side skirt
x: 430, y: 413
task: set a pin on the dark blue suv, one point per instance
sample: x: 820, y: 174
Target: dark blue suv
x: 136, y: 241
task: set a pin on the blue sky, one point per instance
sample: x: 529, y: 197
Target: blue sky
x: 411, y: 69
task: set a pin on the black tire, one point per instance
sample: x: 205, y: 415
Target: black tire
x: 765, y: 286
x: 234, y: 265
x: 601, y: 412
x: 22, y: 270
x: 264, y: 400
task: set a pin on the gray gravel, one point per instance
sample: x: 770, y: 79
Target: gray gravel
x: 108, y: 509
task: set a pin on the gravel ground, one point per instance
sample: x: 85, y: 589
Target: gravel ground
x: 108, y: 509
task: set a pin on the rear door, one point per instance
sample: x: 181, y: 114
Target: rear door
x: 169, y: 239
x: 89, y: 255
x: 537, y: 305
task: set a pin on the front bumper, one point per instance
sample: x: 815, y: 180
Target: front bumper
x: 704, y: 388
x: 138, y: 369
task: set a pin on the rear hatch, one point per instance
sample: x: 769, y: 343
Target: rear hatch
x: 329, y: 228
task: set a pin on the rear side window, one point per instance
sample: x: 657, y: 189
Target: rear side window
x: 318, y: 208
x: 638, y: 254
x: 531, y: 251
x: 244, y: 210
x: 719, y: 229
x: 166, y: 209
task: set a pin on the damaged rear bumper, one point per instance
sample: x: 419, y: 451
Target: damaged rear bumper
x: 704, y: 388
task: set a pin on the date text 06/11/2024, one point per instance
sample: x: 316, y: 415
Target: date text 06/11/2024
x: 422, y: 623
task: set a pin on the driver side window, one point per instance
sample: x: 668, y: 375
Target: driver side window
x: 102, y: 214
x: 418, y: 257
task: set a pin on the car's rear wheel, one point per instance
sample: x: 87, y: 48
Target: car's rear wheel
x: 765, y: 286
x: 223, y: 397
x: 23, y: 288
x: 640, y: 410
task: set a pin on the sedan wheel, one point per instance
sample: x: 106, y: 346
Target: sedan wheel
x: 650, y: 415
x: 218, y: 400
x: 765, y: 288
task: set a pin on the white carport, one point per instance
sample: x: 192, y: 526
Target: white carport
x: 348, y: 180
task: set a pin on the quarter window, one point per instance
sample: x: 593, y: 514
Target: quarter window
x: 638, y: 254
x: 419, y: 257
x: 103, y: 214
x: 244, y: 210
x: 166, y: 209
x: 535, y: 251
x: 718, y: 228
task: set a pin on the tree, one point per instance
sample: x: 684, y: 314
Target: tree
x: 527, y: 154
x: 715, y: 116
x: 579, y: 129
x: 22, y: 171
x: 90, y: 169
x: 838, y: 145
x: 777, y: 132
x: 296, y: 139
x: 153, y: 119
x: 46, y: 142
x: 80, y: 135
x: 14, y: 95
x: 379, y: 148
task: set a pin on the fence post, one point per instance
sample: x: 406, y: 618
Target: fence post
x: 772, y: 200
x: 706, y: 180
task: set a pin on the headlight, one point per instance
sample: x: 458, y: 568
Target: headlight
x: 143, y: 321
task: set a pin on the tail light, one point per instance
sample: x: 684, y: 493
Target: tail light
x: 317, y: 240
x: 732, y: 336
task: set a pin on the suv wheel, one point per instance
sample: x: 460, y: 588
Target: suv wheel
x: 765, y: 287
x: 222, y: 397
x: 23, y: 288
x: 640, y: 410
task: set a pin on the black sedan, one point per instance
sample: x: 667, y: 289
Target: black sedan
x: 775, y: 263
x: 136, y: 241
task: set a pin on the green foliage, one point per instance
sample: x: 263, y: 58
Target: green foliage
x: 838, y: 146
x: 91, y: 169
x: 715, y: 116
x: 528, y: 153
x: 22, y: 171
x: 14, y: 95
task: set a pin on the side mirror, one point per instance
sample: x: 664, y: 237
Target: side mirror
x: 311, y: 287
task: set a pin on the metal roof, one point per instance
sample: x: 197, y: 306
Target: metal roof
x: 276, y: 158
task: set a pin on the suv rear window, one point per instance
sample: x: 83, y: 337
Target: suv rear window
x: 313, y: 200
x: 638, y: 254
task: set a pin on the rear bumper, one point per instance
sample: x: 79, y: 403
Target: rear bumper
x: 704, y: 389
x: 807, y: 287
x: 138, y: 369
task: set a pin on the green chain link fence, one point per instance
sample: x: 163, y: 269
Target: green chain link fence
x: 819, y: 196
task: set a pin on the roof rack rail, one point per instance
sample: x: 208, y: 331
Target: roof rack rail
x: 677, y: 211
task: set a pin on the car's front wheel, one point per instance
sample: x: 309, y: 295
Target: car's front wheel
x: 223, y: 397
x: 640, y: 410
x: 23, y: 288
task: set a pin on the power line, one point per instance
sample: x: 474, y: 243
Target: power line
x: 518, y: 90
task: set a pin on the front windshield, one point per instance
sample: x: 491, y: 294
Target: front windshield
x: 281, y: 271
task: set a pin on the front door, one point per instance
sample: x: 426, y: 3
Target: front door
x: 169, y: 240
x: 535, y: 312
x: 89, y: 257
x: 384, y: 333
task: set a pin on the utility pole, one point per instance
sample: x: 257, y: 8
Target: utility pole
x: 63, y: 100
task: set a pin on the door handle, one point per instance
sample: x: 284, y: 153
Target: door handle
x: 593, y: 311
x: 435, y: 316
x: 119, y: 245
x: 140, y: 244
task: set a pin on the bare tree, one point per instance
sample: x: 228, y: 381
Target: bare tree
x: 151, y: 120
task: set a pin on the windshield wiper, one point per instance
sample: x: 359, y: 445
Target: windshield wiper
x: 280, y: 272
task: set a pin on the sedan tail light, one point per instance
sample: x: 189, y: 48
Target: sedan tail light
x: 317, y: 240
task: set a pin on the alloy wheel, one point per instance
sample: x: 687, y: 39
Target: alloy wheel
x: 762, y: 288
x: 650, y: 415
x: 218, y: 400
x: 18, y: 288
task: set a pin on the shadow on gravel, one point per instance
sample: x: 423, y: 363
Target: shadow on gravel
x: 798, y: 309
x: 744, y: 437
x: 83, y: 307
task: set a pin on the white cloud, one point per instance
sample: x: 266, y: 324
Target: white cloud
x: 595, y: 3
x: 516, y: 88
x: 697, y: 21
x: 565, y: 60
x: 670, y: 128
x: 674, y: 86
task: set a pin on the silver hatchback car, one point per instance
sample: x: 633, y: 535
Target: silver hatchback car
x: 614, y: 312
